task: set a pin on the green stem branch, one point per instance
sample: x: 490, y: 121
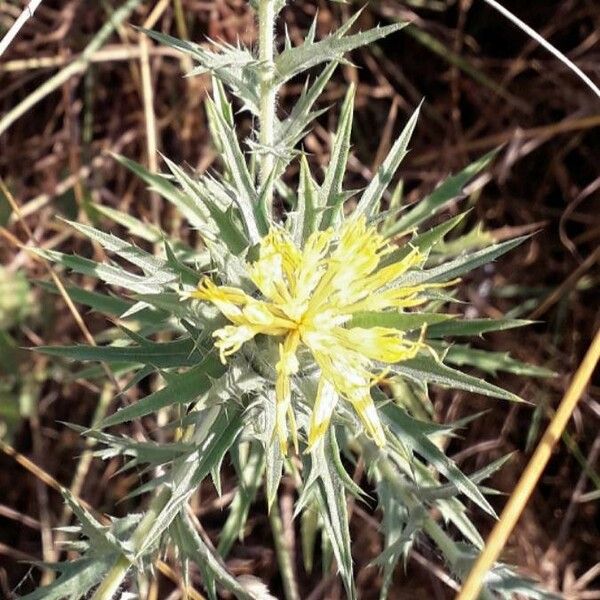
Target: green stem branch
x: 118, y: 571
x: 284, y: 555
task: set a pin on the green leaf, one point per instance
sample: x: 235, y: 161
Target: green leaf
x: 399, y: 527
x: 427, y: 369
x: 194, y: 213
x: 293, y: 61
x: 235, y: 66
x: 150, y: 264
x: 262, y: 209
x: 409, y: 430
x: 110, y: 274
x: 461, y: 265
x: 407, y: 321
x: 272, y: 450
x: 309, y: 527
x: 234, y: 239
x: 437, y: 492
x: 181, y: 389
x: 290, y: 131
x: 246, y: 197
x: 470, y: 327
x: 76, y: 578
x: 331, y: 497
x: 137, y: 453
x: 100, y: 537
x: 250, y: 479
x: 492, y: 362
x: 424, y: 242
x: 162, y: 355
x: 474, y: 239
x: 204, y: 555
x: 190, y: 471
x: 330, y: 195
x: 145, y: 231
x: 371, y: 197
x: 449, y: 190
x: 308, y: 203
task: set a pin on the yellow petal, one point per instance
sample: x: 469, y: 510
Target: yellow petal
x: 263, y: 316
x: 285, y: 368
x: 231, y: 338
x: 382, y: 344
x: 274, y: 273
x: 227, y: 299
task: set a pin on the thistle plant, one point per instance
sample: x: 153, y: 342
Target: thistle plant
x: 300, y: 336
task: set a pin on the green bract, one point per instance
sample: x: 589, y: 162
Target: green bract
x: 228, y: 412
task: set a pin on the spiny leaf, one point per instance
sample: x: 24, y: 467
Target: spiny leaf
x: 190, y: 471
x: 145, y: 231
x: 77, y: 578
x: 425, y: 242
x: 182, y: 388
x: 103, y: 303
x: 136, y: 256
x: 151, y: 453
x: 228, y: 230
x: 447, y: 490
x: 399, y: 527
x: 289, y: 132
x: 469, y: 327
x: 371, y: 197
x: 249, y: 482
x: 330, y: 195
x: 99, y: 536
x: 246, y: 197
x: 450, y: 189
x: 194, y: 547
x: 397, y: 320
x: 460, y: 265
x: 427, y: 369
x: 109, y: 274
x: 194, y: 213
x: 293, y: 61
x: 409, y: 431
x: 235, y: 66
x: 308, y: 202
x: 331, y: 497
x: 492, y: 362
x: 163, y: 355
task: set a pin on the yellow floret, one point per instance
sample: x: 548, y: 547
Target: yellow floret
x: 309, y: 296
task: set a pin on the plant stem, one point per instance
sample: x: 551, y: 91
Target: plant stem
x: 268, y: 91
x: 284, y: 557
x: 118, y: 571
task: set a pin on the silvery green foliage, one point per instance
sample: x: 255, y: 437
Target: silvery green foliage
x: 228, y: 413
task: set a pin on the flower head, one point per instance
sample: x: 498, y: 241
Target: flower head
x: 308, y: 298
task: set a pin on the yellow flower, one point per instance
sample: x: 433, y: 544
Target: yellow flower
x: 309, y: 296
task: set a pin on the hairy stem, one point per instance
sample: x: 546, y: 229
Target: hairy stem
x: 118, y: 571
x: 268, y: 92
